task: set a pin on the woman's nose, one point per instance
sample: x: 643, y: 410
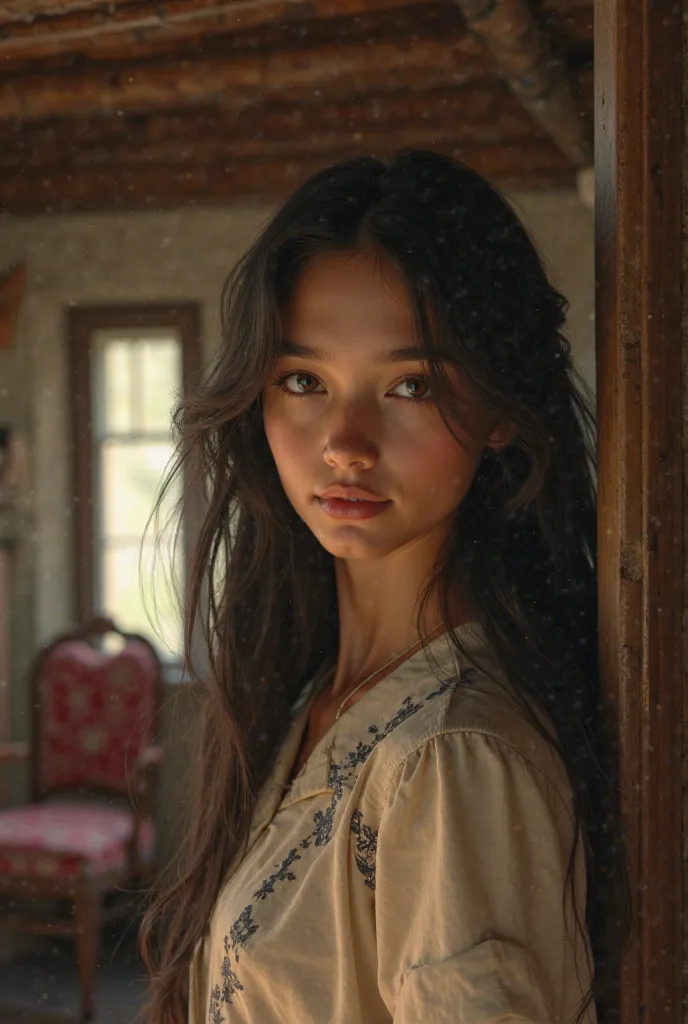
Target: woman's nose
x: 351, y: 440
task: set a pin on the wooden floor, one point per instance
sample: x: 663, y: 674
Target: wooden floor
x: 43, y: 987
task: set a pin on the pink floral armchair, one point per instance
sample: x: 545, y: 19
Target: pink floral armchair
x: 88, y: 830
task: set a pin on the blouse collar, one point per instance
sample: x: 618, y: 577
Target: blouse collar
x: 412, y: 680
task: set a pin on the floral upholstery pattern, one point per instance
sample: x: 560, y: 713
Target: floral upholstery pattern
x: 96, y: 714
x: 64, y: 840
x: 89, y: 826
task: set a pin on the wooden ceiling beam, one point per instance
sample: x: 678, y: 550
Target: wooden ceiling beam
x: 235, y: 83
x: 521, y: 165
x: 16, y: 10
x: 482, y: 114
x: 541, y: 82
x: 42, y: 10
x: 107, y: 31
x: 426, y: 135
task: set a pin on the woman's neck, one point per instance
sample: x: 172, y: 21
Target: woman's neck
x: 377, y: 601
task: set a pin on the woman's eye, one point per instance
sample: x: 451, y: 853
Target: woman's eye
x: 298, y: 383
x: 304, y: 382
x: 417, y: 388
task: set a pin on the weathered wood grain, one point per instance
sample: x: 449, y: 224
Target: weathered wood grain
x: 638, y: 227
x: 538, y: 77
x: 74, y: 187
x: 485, y: 114
x: 148, y: 27
x: 336, y: 69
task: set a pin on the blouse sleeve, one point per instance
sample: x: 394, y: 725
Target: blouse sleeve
x: 472, y: 854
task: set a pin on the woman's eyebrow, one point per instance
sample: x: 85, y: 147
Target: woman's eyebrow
x: 379, y: 358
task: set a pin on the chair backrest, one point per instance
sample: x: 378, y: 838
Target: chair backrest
x: 93, y: 711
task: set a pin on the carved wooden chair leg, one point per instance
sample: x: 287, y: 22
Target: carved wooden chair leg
x: 88, y: 914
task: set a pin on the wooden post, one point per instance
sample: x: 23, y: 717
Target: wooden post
x: 4, y: 666
x: 638, y: 141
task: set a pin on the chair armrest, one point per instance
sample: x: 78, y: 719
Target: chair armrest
x: 14, y: 752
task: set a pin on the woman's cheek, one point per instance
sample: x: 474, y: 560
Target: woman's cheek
x: 445, y: 467
x: 287, y: 442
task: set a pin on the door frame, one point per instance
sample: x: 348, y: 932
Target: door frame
x: 639, y: 273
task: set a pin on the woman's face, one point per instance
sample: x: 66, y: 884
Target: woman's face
x: 345, y: 406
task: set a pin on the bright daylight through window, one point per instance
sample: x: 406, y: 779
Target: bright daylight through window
x: 136, y: 375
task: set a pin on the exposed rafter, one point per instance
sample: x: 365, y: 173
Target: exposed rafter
x: 478, y: 114
x: 69, y: 187
x: 540, y: 80
x: 108, y: 30
x: 232, y: 83
x: 39, y: 10
x: 146, y: 104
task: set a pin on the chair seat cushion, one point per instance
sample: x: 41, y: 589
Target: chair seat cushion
x: 63, y: 840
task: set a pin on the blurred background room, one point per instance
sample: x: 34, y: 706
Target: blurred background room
x: 142, y: 144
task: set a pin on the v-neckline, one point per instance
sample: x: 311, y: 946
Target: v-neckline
x: 316, y: 756
x: 313, y: 697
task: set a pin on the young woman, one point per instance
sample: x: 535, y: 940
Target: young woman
x: 404, y: 810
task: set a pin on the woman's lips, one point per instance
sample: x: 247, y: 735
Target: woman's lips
x: 342, y: 508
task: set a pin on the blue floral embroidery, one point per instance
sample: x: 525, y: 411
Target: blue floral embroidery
x: 268, y: 885
x: 241, y: 931
x: 366, y: 845
x: 216, y: 1000
x: 366, y: 848
x: 323, y: 826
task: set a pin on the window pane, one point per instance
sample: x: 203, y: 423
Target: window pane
x: 137, y: 376
x: 161, y: 374
x: 131, y: 475
x: 115, y: 389
x: 126, y: 572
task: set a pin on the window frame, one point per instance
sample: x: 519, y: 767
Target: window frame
x: 83, y: 325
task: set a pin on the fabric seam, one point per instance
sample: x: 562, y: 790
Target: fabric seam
x: 471, y: 731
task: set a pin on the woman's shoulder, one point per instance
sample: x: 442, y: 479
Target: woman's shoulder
x: 474, y: 702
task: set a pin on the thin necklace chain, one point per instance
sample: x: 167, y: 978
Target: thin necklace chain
x: 391, y: 661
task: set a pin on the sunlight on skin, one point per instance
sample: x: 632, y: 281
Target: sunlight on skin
x: 359, y: 422
x: 355, y: 420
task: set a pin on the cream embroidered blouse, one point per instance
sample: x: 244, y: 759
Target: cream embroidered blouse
x: 412, y: 872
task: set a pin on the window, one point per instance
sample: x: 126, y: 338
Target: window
x: 128, y: 367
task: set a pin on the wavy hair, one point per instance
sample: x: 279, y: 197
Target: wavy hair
x: 261, y: 603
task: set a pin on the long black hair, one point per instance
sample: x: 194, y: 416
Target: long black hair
x: 262, y: 590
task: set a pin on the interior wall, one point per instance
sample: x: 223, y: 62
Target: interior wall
x: 184, y: 255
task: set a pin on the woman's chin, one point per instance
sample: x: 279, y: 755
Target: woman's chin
x: 349, y: 542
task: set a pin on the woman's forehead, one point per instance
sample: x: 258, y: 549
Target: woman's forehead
x: 350, y: 295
